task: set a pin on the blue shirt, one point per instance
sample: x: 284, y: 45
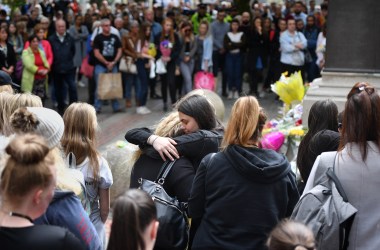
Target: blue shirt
x: 289, y: 53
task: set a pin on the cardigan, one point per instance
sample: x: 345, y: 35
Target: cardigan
x: 30, y: 69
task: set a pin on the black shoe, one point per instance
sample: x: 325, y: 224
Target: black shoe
x: 118, y: 111
x: 98, y: 111
x: 224, y: 94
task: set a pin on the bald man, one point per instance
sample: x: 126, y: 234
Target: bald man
x: 63, y: 69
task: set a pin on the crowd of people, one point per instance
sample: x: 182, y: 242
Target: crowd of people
x: 47, y: 48
x: 55, y: 185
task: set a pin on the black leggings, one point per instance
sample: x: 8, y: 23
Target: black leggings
x: 168, y: 80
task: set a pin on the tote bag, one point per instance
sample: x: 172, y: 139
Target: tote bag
x: 110, y: 86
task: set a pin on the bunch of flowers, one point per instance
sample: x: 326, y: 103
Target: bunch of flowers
x: 166, y: 48
x: 152, y: 50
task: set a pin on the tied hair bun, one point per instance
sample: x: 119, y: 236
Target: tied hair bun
x: 302, y: 247
x: 27, y: 149
x: 23, y: 121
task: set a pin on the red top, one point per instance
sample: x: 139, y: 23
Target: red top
x: 40, y: 64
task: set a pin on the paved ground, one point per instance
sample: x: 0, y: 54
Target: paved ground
x: 113, y: 126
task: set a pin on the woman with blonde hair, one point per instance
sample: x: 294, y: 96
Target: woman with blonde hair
x: 241, y: 172
x: 79, y: 140
x: 291, y: 235
x: 27, y: 187
x: 16, y: 101
x: 66, y: 209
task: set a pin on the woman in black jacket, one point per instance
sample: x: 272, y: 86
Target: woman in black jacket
x: 256, y: 55
x: 7, y: 53
x: 168, y: 40
x: 240, y: 194
x: 195, y: 121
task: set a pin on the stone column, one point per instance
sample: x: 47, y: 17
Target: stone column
x: 352, y: 52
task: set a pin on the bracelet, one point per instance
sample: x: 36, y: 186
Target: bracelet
x: 154, y: 140
x: 148, y: 141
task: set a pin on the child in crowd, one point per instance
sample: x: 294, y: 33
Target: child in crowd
x: 291, y: 235
x: 134, y: 223
x: 80, y: 139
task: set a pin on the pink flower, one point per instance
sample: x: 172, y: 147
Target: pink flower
x: 166, y: 48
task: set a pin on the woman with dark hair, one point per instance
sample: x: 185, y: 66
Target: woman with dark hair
x: 186, y: 56
x: 36, y: 69
x: 170, y: 40
x: 79, y: 33
x: 241, y: 193
x: 323, y: 115
x: 7, y: 53
x: 196, y: 119
x: 357, y: 164
x: 234, y: 43
x: 143, y: 64
x: 134, y: 223
x: 256, y: 54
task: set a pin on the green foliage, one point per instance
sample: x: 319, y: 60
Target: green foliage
x: 14, y: 4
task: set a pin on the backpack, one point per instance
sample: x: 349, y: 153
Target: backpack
x: 84, y: 198
x: 325, y: 208
x: 173, y: 230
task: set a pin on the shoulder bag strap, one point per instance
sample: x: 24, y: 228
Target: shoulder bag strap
x: 331, y: 174
x: 164, y: 171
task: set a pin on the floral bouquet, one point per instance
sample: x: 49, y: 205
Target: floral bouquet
x: 166, y: 48
x: 152, y: 50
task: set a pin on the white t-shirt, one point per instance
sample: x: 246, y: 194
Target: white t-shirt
x: 105, y: 179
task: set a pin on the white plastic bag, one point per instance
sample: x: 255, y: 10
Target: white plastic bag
x: 160, y: 67
x: 152, y: 73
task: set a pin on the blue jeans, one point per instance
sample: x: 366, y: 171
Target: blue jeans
x: 144, y: 81
x: 233, y: 68
x: 130, y: 80
x: 62, y: 83
x: 187, y: 74
x: 98, y: 103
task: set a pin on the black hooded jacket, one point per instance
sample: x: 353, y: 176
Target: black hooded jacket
x: 239, y: 195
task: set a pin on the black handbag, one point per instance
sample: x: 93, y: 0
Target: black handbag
x: 173, y: 230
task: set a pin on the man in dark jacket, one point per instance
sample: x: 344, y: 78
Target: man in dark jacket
x: 63, y: 67
x: 311, y: 34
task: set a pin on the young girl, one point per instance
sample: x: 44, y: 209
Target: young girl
x: 291, y: 235
x: 134, y: 222
x: 79, y: 139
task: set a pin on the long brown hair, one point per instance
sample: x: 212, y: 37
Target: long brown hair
x: 132, y: 214
x: 171, y: 32
x: 79, y: 137
x: 143, y: 28
x: 361, y: 118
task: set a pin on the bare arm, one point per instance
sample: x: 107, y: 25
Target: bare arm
x: 100, y: 57
x: 104, y: 200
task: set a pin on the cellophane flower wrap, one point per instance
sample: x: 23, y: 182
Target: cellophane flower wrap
x: 166, y: 48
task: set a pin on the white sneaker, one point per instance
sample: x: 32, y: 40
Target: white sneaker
x: 81, y: 84
x: 236, y: 95
x: 230, y: 95
x: 142, y: 110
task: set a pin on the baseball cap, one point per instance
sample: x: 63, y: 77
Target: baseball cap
x: 5, y: 79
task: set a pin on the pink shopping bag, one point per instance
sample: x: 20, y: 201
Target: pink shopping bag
x: 204, y: 80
